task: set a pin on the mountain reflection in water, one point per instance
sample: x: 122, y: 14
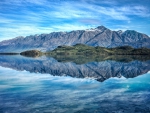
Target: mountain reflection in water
x: 40, y: 92
x: 99, y: 69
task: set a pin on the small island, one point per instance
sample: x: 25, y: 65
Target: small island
x: 32, y: 53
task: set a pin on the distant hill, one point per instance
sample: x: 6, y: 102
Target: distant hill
x: 100, y: 36
x: 81, y: 49
x: 81, y: 53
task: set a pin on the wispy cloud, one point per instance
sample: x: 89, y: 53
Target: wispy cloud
x: 26, y: 30
x: 25, y: 17
x: 22, y: 31
x: 90, y: 21
x: 5, y: 20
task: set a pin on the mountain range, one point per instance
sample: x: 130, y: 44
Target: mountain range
x: 100, y: 36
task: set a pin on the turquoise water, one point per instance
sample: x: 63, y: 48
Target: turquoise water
x: 24, y: 92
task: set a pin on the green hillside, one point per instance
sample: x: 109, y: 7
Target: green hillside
x: 81, y: 53
x: 81, y: 49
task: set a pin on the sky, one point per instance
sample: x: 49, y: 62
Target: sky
x: 30, y: 17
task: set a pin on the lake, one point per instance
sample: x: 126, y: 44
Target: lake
x: 48, y: 85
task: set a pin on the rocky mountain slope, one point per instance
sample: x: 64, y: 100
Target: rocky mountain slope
x: 100, y: 36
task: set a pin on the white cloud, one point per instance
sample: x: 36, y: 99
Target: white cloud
x: 5, y: 20
x: 90, y: 21
x: 134, y: 10
x: 25, y: 30
x: 68, y: 27
x: 38, y: 2
x: 61, y: 16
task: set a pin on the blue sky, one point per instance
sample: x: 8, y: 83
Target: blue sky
x: 29, y: 17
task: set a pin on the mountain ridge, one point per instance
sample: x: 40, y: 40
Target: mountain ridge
x: 99, y: 36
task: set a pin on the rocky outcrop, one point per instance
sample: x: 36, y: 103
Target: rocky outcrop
x: 100, y: 36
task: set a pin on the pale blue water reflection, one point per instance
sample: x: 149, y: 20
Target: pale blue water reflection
x: 100, y: 71
x: 24, y: 92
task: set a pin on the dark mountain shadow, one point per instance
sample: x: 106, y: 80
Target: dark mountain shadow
x: 98, y: 69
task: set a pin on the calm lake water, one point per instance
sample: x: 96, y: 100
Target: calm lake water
x: 44, y: 85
